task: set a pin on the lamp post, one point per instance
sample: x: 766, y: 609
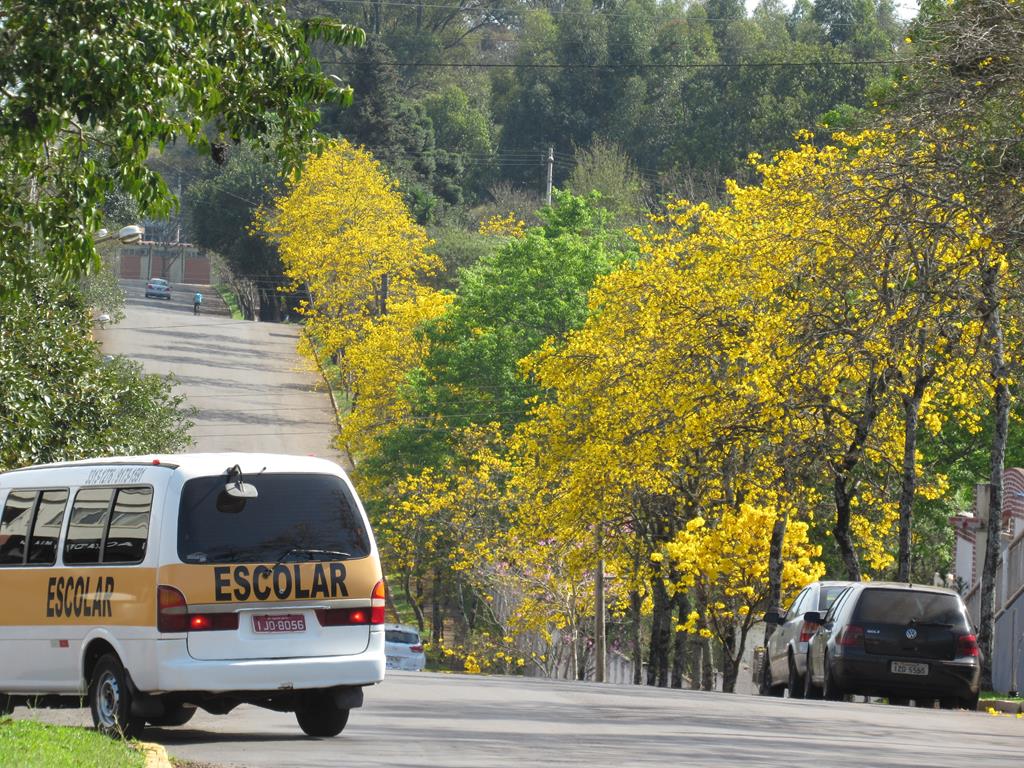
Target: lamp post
x: 127, y: 235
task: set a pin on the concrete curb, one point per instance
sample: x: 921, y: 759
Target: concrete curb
x: 156, y: 755
x: 999, y: 705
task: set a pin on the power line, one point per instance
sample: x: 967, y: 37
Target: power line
x: 621, y: 66
x: 553, y: 11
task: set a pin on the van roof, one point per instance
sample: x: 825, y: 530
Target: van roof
x: 201, y: 463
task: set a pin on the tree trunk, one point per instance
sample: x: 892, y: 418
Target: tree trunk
x: 775, y: 568
x: 694, y: 651
x: 637, y: 651
x: 415, y: 600
x: 730, y: 667
x: 908, y: 482
x: 680, y: 640
x: 657, y: 663
x: 842, y: 483
x: 991, y: 316
x: 841, y: 530
x: 436, y: 613
x: 707, y: 668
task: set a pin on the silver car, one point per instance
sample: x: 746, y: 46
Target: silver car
x: 158, y: 288
x: 786, y: 655
x: 403, y: 648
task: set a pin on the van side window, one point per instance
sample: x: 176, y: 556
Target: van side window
x: 129, y: 526
x: 88, y: 521
x: 42, y: 548
x: 14, y: 526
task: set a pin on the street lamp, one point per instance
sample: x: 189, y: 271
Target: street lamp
x: 128, y: 235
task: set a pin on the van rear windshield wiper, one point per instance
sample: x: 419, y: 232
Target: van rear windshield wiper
x: 315, y: 554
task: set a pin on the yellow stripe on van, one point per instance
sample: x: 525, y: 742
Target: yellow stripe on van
x: 273, y: 582
x: 81, y: 596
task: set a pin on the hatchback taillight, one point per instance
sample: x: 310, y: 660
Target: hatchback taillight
x: 173, y: 616
x: 416, y: 648
x: 967, y: 645
x: 849, y: 635
x: 807, y: 630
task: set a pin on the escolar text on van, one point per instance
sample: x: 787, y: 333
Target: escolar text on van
x: 154, y: 585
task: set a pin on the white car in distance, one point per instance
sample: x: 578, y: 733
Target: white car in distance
x: 404, y: 648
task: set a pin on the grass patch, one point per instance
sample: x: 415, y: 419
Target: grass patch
x: 1001, y: 696
x: 230, y: 299
x: 26, y: 744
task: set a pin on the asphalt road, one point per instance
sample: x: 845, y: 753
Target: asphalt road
x: 245, y: 379
x: 425, y: 719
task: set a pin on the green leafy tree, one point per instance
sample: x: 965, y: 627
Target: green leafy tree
x: 127, y: 75
x: 220, y: 212
x: 59, y: 398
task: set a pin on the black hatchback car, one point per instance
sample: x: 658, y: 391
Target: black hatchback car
x: 900, y: 641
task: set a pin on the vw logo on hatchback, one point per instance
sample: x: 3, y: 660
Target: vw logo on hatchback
x: 911, y: 633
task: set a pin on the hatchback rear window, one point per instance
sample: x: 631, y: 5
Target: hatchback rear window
x: 400, y: 636
x: 902, y: 606
x: 295, y: 517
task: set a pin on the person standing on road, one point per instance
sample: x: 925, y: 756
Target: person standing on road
x: 196, y: 301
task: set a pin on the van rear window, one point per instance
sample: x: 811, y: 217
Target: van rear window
x: 295, y: 517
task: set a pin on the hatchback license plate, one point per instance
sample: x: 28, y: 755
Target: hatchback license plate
x: 288, y: 622
x: 909, y: 668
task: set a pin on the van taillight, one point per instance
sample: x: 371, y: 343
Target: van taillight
x: 849, y: 635
x: 967, y: 645
x: 349, y: 617
x: 342, y: 617
x: 173, y: 616
x: 172, y: 610
x: 203, y: 622
x: 378, y: 600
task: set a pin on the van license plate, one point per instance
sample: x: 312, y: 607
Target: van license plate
x: 287, y: 622
x: 909, y: 668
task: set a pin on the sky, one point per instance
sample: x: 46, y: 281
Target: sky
x: 906, y: 9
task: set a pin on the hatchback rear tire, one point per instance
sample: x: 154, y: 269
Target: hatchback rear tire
x: 796, y: 683
x: 320, y: 716
x: 770, y: 688
x: 830, y: 690
x: 811, y: 691
x: 970, y: 702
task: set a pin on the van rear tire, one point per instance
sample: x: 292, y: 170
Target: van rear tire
x: 320, y: 716
x: 110, y: 700
x: 174, y: 715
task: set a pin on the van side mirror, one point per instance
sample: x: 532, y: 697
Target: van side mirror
x: 774, y: 616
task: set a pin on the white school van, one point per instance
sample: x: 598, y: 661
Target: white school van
x: 153, y: 585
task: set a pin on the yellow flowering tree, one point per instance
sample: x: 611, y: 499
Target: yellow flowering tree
x: 348, y: 241
x: 725, y: 564
x: 380, y: 363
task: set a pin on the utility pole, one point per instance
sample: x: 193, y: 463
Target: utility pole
x: 551, y: 170
x: 177, y: 215
x: 599, y: 610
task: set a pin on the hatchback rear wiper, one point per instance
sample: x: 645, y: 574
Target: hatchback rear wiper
x: 915, y: 623
x: 312, y: 553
